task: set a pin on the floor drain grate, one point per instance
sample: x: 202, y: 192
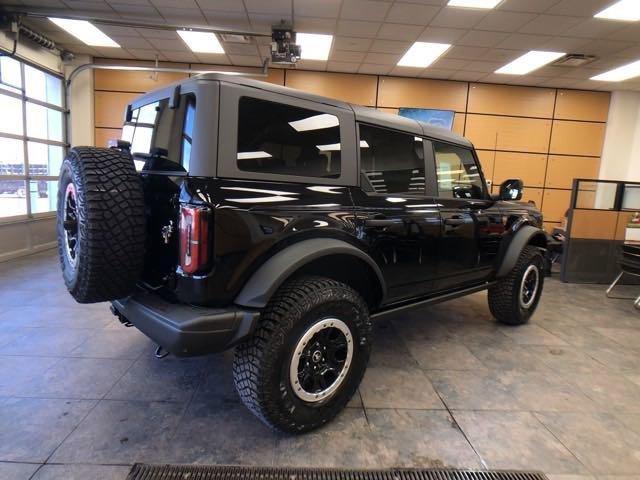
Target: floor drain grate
x: 219, y: 472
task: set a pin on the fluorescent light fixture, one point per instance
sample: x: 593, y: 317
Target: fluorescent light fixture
x: 620, y: 74
x: 529, y: 62
x: 314, y: 46
x: 316, y: 122
x: 85, y: 32
x: 252, y: 155
x: 423, y: 54
x: 201, y: 42
x: 473, y: 3
x: 625, y: 10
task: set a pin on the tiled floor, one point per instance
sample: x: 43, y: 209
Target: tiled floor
x: 83, y: 397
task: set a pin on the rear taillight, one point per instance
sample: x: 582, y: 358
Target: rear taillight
x: 194, y: 238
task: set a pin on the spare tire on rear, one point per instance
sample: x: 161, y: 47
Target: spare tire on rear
x: 101, y: 224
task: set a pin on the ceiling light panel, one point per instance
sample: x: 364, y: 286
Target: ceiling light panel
x: 624, y: 10
x: 201, y: 42
x: 423, y: 54
x: 529, y: 62
x: 314, y: 46
x: 620, y: 74
x: 85, y: 32
x: 474, y: 3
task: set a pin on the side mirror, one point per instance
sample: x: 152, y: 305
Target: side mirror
x: 511, y: 189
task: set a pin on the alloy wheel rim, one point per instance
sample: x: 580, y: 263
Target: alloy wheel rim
x: 321, y: 360
x: 529, y: 286
x: 70, y: 224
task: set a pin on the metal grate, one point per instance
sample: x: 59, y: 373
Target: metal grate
x: 218, y: 472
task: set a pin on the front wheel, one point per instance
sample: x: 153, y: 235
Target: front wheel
x: 513, y: 299
x: 307, y: 356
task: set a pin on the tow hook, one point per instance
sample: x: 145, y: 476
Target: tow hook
x: 160, y: 352
x: 120, y: 317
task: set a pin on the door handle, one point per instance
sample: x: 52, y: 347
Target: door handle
x: 453, y: 221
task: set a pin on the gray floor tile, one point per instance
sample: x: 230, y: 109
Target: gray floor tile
x: 120, y: 432
x: 387, y: 387
x: 43, y: 316
x: 472, y: 390
x: 420, y: 438
x: 169, y: 379
x: 123, y: 343
x: 617, y: 359
x: 443, y: 355
x: 82, y: 472
x: 345, y: 442
x: 32, y: 428
x: 17, y: 372
x: 516, y: 440
x: 627, y: 337
x: 598, y: 440
x: 17, y: 471
x: 77, y: 378
x: 46, y: 341
x: 568, y: 360
x: 507, y: 357
x: 531, y: 335
x: 388, y: 349
x: 611, y: 393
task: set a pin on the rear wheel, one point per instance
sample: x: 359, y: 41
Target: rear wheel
x: 101, y: 224
x: 307, y: 357
x: 513, y: 299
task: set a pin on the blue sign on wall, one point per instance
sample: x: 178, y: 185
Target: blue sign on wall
x: 437, y: 118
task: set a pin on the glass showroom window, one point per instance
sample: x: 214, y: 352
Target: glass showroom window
x: 32, y: 139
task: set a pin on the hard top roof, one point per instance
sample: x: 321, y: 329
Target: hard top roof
x: 362, y: 114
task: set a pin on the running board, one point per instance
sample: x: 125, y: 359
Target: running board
x: 431, y: 300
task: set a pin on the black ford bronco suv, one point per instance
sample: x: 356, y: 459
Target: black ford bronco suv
x: 236, y: 213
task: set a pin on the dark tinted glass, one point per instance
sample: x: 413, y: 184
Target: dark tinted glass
x: 458, y: 174
x: 274, y: 138
x: 391, y: 162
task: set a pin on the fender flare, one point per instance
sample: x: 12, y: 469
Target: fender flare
x: 519, y: 240
x: 264, y: 282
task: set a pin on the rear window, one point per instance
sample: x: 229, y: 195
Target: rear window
x: 161, y: 136
x: 279, y: 139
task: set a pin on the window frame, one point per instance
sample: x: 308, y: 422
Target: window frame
x: 230, y: 95
x: 428, y: 158
x: 28, y: 177
x: 474, y: 156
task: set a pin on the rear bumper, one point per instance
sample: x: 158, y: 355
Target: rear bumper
x: 185, y: 330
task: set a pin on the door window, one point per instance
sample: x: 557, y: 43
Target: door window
x: 391, y: 162
x: 457, y: 172
x: 280, y: 139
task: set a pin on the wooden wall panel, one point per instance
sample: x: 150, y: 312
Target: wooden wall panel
x: 487, y: 161
x: 555, y: 203
x: 458, y: 123
x: 511, y: 100
x: 422, y: 93
x: 508, y: 133
x: 593, y: 224
x: 530, y: 167
x: 109, y: 108
x: 561, y: 170
x: 577, y: 138
x: 360, y: 89
x: 621, y: 225
x: 103, y: 135
x: 549, y: 226
x: 581, y: 105
x: 533, y: 194
x: 129, y: 81
x: 275, y: 75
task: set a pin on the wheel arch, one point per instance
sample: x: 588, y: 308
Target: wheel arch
x: 525, y: 235
x: 332, y: 258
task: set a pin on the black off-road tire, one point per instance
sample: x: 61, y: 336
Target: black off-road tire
x: 504, y: 296
x: 110, y: 235
x: 261, y: 364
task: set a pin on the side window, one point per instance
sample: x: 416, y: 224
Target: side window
x: 274, y: 138
x: 158, y: 133
x: 458, y: 174
x: 391, y: 162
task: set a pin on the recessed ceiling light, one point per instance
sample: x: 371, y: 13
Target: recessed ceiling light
x: 620, y: 74
x: 85, y: 32
x: 314, y: 46
x: 473, y: 3
x: 423, y: 54
x: 201, y: 42
x: 625, y: 10
x: 529, y: 62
